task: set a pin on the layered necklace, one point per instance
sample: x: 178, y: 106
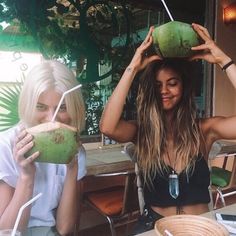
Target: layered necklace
x: 173, y: 179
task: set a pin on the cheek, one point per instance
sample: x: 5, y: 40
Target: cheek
x: 178, y: 91
x: 38, y: 118
x: 39, y: 115
x: 64, y: 118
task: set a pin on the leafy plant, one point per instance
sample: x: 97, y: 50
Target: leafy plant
x: 9, y: 97
x: 9, y: 102
x: 94, y: 107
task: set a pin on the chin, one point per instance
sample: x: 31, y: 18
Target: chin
x: 167, y: 108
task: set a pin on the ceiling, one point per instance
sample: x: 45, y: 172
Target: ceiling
x: 180, y: 5
x: 149, y: 12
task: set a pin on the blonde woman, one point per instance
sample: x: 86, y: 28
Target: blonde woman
x: 172, y: 144
x: 55, y: 212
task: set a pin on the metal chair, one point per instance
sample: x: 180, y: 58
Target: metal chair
x: 116, y: 203
x: 129, y: 149
x: 223, y: 180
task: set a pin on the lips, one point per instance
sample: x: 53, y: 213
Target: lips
x: 166, y: 99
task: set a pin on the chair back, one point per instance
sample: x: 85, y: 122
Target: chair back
x: 129, y: 149
x: 232, y: 181
x: 223, y: 177
x: 130, y: 200
x: 223, y: 181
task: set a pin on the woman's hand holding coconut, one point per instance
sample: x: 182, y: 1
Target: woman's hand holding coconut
x: 140, y: 58
x: 23, y: 144
x: 210, y: 52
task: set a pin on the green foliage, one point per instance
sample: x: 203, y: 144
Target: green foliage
x: 9, y: 102
x: 94, y: 107
x: 81, y: 32
x: 76, y: 30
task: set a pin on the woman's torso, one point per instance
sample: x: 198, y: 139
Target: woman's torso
x: 193, y: 191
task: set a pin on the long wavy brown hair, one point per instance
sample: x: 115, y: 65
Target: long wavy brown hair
x: 152, y: 127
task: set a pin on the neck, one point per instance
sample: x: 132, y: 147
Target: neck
x: 169, y: 114
x: 169, y: 120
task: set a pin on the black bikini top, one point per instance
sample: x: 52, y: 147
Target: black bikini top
x: 193, y: 188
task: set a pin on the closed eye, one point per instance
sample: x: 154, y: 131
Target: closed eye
x: 63, y: 108
x: 41, y: 107
x: 173, y: 83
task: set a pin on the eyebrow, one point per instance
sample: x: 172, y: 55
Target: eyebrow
x: 39, y: 103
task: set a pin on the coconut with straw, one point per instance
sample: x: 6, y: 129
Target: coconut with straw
x: 174, y: 39
x: 56, y: 142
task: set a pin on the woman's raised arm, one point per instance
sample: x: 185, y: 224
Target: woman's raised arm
x: 219, y: 127
x: 111, y: 123
x: 210, y: 52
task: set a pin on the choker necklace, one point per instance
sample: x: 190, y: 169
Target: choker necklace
x: 173, y: 180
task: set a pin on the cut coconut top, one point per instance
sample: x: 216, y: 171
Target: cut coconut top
x: 49, y: 126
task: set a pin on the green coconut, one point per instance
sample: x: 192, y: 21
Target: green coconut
x: 56, y: 142
x: 175, y: 39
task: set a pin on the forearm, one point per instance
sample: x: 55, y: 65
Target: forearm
x: 230, y: 69
x: 114, y: 107
x: 210, y: 52
x: 23, y: 193
x: 231, y: 73
x: 67, y: 210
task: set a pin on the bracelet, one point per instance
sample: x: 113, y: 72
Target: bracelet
x: 227, y: 65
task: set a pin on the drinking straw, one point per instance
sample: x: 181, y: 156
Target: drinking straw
x: 21, y: 210
x: 167, y: 10
x: 61, y: 100
x: 168, y: 232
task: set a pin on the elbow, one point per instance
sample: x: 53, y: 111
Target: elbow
x: 102, y: 127
x: 66, y: 227
x: 106, y: 130
x: 65, y: 230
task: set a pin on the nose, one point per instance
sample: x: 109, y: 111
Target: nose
x: 163, y: 89
x: 49, y: 115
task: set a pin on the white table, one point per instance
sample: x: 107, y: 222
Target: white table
x: 230, y: 209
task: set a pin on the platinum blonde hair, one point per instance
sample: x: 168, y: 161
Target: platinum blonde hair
x: 51, y: 74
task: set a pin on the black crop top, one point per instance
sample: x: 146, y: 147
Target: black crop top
x: 193, y: 189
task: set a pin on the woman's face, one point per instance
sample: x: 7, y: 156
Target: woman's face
x: 171, y: 88
x: 47, y: 105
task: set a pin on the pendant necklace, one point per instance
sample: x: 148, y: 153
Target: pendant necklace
x: 173, y: 180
